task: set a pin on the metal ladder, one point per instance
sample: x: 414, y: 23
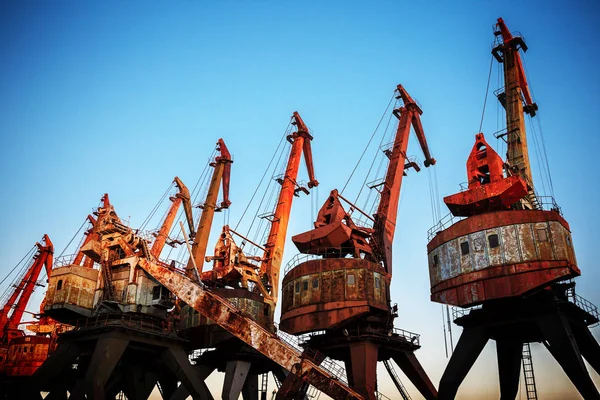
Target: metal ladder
x: 396, y: 379
x: 528, y: 373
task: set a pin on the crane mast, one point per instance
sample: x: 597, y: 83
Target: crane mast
x: 90, y: 234
x: 387, y: 211
x: 517, y: 101
x: 183, y: 196
x: 222, y: 173
x: 273, y: 254
x: 22, y: 293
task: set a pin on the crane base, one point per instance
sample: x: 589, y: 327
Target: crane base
x: 547, y: 317
x: 116, y: 354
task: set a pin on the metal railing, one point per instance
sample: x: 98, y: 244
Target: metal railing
x: 65, y: 260
x: 584, y: 304
x: 547, y: 203
x: 315, y: 254
x: 125, y: 321
x: 446, y: 221
x: 458, y: 312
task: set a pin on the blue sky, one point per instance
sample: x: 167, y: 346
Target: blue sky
x: 121, y: 96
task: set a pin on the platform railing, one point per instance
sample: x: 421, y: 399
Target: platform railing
x: 315, y: 254
x: 584, y: 304
x: 547, y: 203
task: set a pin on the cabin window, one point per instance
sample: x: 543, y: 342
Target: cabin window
x: 305, y: 285
x: 542, y: 235
x: 436, y: 260
x: 377, y: 283
x: 24, y: 349
x: 297, y: 287
x: 493, y: 241
x: 315, y: 283
x: 59, y: 285
x: 351, y: 280
x: 156, y: 293
x: 464, y: 248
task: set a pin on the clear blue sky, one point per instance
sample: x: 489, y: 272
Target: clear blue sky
x: 120, y: 96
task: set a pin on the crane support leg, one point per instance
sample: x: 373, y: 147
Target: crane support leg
x: 589, y: 347
x: 363, y: 358
x: 250, y: 389
x: 472, y: 341
x: 139, y: 383
x: 106, y: 355
x: 560, y: 341
x: 177, y: 360
x: 236, y: 373
x: 168, y: 385
x: 202, y: 372
x: 509, y: 367
x: 410, y: 365
x: 59, y: 361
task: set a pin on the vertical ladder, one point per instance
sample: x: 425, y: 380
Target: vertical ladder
x: 396, y: 379
x: 528, y: 373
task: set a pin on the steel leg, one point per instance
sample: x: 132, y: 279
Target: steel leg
x: 509, y: 354
x: 469, y: 346
x: 410, y: 365
x: 561, y: 343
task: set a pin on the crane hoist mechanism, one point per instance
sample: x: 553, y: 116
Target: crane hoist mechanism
x: 249, y: 282
x: 340, y: 292
x: 21, y: 354
x: 510, y: 257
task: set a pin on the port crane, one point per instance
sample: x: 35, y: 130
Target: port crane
x: 344, y: 297
x: 250, y: 282
x: 231, y: 266
x: 12, y: 311
x: 510, y: 262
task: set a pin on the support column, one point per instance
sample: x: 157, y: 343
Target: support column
x: 235, y: 377
x: 589, y: 347
x: 472, y: 341
x: 177, y: 361
x: 107, y: 353
x: 509, y: 353
x: 561, y: 344
x: 363, y: 358
x: 57, y: 364
x: 410, y: 365
x: 202, y: 372
x: 250, y: 389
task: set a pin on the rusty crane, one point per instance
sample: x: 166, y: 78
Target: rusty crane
x: 511, y: 258
x: 250, y: 282
x: 342, y: 295
x: 20, y: 354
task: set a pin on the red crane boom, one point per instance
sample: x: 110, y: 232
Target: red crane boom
x: 387, y: 211
x: 22, y: 293
x: 273, y: 255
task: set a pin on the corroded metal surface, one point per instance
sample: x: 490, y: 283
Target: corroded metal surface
x: 25, y: 354
x: 250, y: 332
x: 498, y: 255
x: 324, y: 293
x: 71, y: 287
